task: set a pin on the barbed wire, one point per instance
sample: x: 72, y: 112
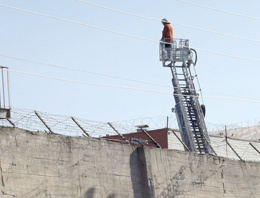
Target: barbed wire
x: 73, y: 126
x: 66, y: 125
x: 248, y: 130
x: 63, y: 124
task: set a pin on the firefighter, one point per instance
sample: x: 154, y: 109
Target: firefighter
x: 167, y: 36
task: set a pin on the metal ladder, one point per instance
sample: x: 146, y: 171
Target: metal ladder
x: 187, y: 108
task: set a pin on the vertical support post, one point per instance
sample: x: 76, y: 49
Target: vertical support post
x: 226, y: 140
x: 167, y: 126
x: 74, y: 120
x: 1, y: 92
x: 3, y: 83
x: 8, y: 87
x: 36, y: 113
x: 5, y: 103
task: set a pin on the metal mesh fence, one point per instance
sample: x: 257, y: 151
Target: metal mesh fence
x: 73, y: 126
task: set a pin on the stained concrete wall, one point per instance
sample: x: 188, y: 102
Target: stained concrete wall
x: 54, y: 166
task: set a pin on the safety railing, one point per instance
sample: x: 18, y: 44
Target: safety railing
x: 174, y: 50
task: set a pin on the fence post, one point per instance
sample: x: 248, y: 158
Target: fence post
x: 43, y: 122
x: 74, y: 120
x: 226, y: 141
x: 157, y: 144
x: 185, y: 146
x: 118, y: 132
x: 234, y: 151
x: 10, y: 121
x: 254, y: 147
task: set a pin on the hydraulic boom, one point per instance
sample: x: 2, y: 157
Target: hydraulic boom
x: 190, y: 115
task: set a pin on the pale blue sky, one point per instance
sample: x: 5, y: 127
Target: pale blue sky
x: 42, y: 39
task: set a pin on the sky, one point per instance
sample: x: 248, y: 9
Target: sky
x: 97, y: 43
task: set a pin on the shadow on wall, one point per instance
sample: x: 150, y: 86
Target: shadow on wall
x: 139, y: 176
x: 91, y: 192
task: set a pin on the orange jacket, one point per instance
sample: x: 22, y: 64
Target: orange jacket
x: 167, y: 33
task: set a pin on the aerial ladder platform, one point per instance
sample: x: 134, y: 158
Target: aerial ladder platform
x: 190, y: 114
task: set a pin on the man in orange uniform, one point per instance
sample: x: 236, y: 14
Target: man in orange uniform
x: 167, y: 35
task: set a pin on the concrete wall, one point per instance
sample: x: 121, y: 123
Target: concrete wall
x: 51, y: 166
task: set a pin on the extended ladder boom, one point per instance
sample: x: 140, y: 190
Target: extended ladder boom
x: 188, y: 111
